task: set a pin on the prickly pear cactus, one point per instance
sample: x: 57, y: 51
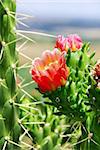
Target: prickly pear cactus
x: 9, y: 128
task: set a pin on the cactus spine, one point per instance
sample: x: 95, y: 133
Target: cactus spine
x: 8, y: 60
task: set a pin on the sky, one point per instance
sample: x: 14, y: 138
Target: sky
x: 63, y: 9
x: 49, y: 15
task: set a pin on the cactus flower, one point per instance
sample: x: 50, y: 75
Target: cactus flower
x: 72, y: 41
x: 50, y: 71
x: 96, y: 73
x: 97, y: 69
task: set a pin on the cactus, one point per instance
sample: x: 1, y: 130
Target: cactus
x: 94, y: 102
x: 9, y: 128
x: 64, y: 76
x: 45, y: 128
x: 74, y: 98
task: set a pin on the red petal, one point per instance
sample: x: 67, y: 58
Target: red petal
x: 57, y: 79
x: 62, y: 60
x: 60, y: 43
x: 51, y: 72
x: 33, y: 71
x: 45, y: 84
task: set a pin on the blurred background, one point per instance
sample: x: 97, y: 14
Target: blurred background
x: 56, y: 17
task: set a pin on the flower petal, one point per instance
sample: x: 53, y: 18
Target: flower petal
x: 38, y: 64
x: 47, y: 57
x: 45, y: 84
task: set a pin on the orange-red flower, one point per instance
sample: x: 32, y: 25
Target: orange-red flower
x: 97, y: 69
x: 50, y: 71
x: 96, y: 73
x: 72, y: 41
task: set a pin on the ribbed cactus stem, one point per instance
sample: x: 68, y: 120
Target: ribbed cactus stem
x: 8, y: 62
